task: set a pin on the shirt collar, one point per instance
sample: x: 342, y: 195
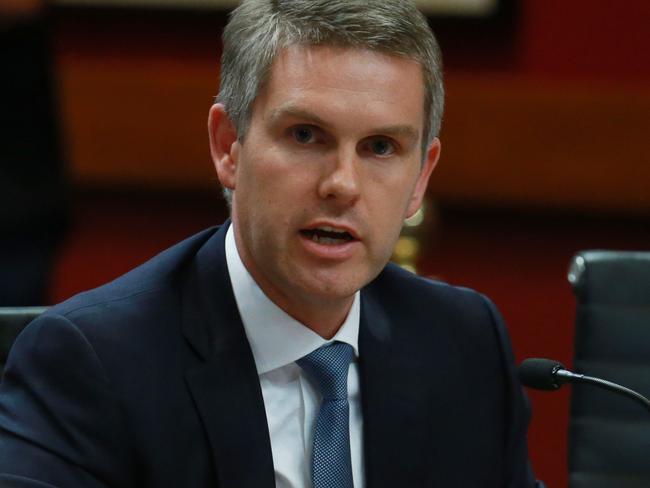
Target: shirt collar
x: 277, y: 339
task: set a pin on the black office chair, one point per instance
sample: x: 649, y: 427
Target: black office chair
x: 12, y: 321
x: 609, y: 435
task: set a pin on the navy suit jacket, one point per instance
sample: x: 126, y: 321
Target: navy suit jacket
x: 149, y: 381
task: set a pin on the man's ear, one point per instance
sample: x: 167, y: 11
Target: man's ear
x: 224, y: 147
x: 429, y: 164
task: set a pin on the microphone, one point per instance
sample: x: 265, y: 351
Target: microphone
x: 547, y: 374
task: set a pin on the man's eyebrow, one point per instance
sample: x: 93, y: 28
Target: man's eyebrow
x: 406, y: 131
x: 296, y: 112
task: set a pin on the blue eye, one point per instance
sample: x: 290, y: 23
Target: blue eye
x: 382, y: 147
x: 303, y: 135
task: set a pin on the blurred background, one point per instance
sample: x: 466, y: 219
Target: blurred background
x: 104, y: 156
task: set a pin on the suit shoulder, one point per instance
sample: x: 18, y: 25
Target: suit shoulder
x: 142, y: 307
x: 425, y: 307
x: 434, y: 312
x: 155, y: 276
x: 396, y: 285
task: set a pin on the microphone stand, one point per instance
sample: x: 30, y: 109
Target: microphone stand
x: 565, y: 376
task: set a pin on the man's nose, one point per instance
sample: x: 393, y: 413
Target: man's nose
x: 341, y: 180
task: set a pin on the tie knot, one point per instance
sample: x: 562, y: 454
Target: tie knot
x: 328, y: 367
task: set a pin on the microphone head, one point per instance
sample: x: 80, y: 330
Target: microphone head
x: 539, y: 373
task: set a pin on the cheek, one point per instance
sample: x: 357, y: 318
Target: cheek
x: 267, y: 167
x: 388, y: 211
x: 256, y: 185
x: 392, y: 196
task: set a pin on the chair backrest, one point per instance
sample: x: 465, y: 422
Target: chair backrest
x: 12, y: 321
x: 609, y: 435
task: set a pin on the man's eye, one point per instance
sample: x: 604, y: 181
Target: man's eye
x: 303, y: 135
x: 381, y: 147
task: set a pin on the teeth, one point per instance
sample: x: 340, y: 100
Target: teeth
x: 325, y: 240
x: 328, y: 235
x: 331, y: 229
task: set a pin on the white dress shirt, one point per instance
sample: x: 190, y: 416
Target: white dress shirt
x: 290, y: 400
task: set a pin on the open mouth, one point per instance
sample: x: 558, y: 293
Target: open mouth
x: 328, y: 236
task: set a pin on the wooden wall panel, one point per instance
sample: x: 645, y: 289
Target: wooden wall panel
x: 518, y: 141
x: 138, y: 121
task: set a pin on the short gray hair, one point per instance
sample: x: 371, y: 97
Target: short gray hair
x: 258, y: 29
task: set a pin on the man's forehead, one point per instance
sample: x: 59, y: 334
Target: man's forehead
x: 303, y: 65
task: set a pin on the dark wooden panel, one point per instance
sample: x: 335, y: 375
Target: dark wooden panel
x: 518, y: 141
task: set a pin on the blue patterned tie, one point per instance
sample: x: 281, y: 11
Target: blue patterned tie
x: 328, y: 368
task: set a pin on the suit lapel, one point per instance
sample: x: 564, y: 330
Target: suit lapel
x: 395, y: 417
x: 224, y: 383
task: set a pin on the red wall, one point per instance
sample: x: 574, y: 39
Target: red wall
x: 601, y: 39
x: 576, y: 39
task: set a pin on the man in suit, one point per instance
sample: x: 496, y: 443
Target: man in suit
x: 280, y: 349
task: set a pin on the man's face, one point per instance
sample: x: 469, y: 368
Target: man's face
x: 328, y: 170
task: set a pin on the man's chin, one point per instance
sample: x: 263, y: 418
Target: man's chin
x: 332, y: 288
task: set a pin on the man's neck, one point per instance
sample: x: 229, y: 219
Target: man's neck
x: 323, y: 317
